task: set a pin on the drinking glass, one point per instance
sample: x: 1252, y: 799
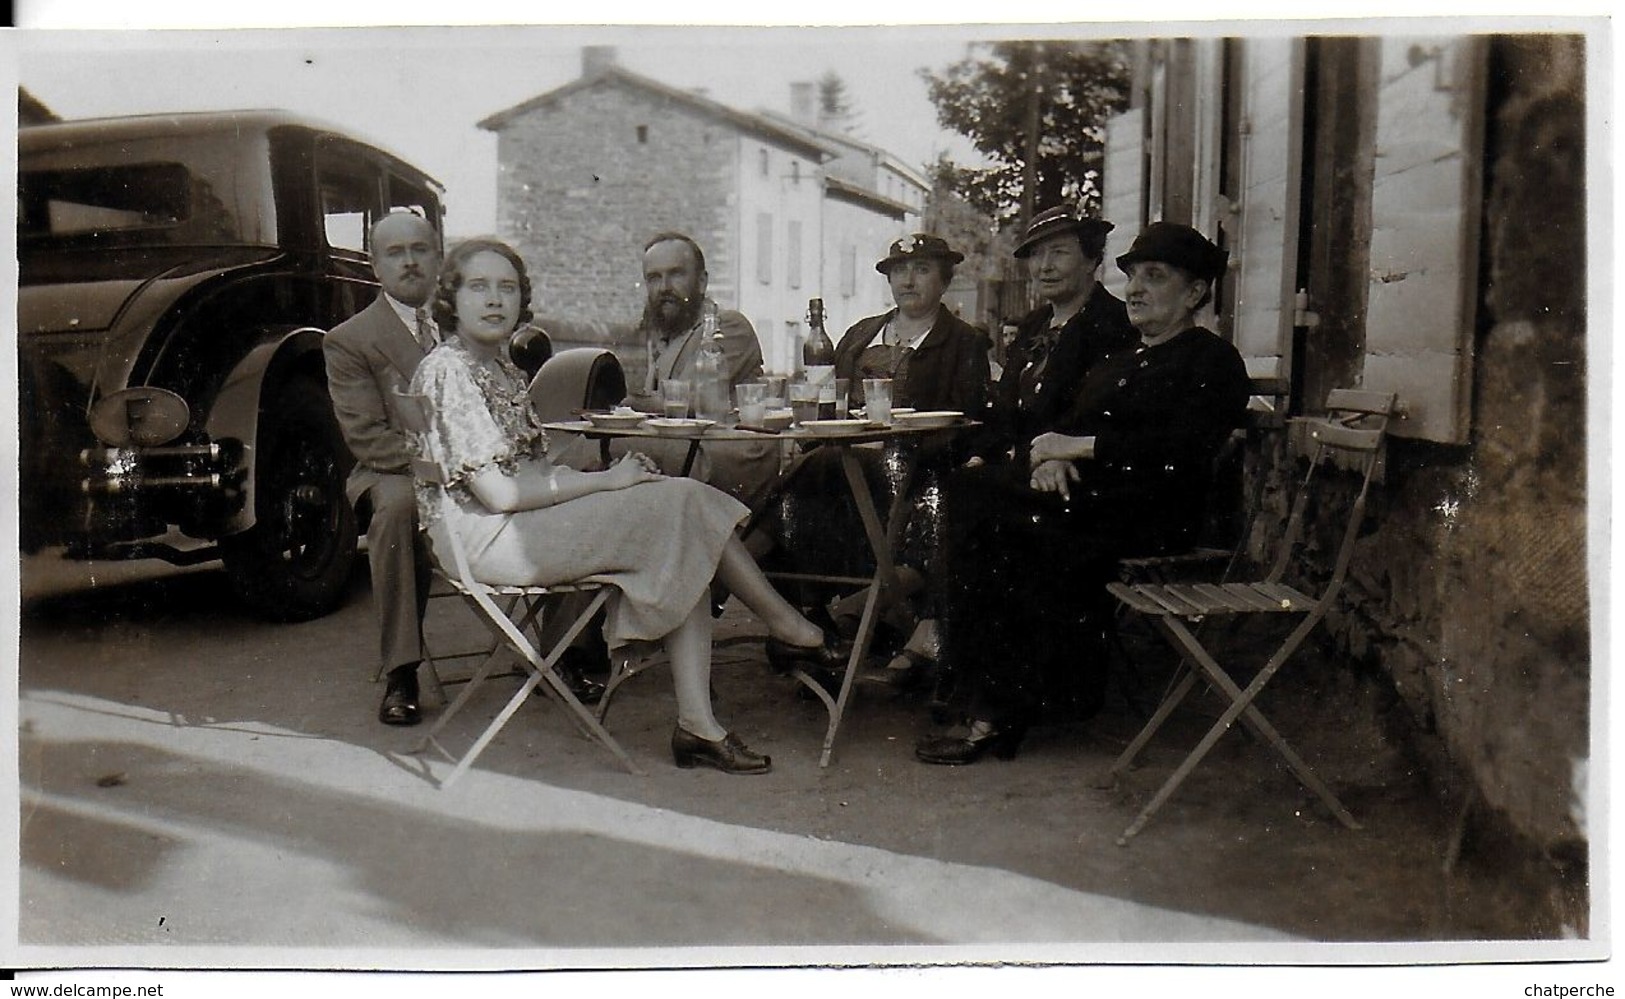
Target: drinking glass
x: 752, y: 403
x: 804, y: 401
x: 877, y: 396
x: 842, y: 386
x: 676, y: 396
x: 775, y: 397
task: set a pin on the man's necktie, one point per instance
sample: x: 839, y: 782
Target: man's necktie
x: 425, y: 331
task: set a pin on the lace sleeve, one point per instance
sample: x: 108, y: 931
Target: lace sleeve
x: 464, y: 438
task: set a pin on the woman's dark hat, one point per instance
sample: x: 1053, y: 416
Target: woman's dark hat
x: 919, y: 246
x: 1062, y: 218
x: 1179, y: 245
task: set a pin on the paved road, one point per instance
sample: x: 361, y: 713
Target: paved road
x: 200, y: 787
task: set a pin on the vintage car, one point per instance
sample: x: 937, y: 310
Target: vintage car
x: 177, y: 274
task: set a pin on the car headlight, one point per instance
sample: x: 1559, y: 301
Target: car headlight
x: 139, y: 417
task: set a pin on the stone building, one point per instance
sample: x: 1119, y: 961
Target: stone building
x: 1409, y: 214
x: 784, y: 211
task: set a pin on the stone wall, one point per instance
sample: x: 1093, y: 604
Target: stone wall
x: 1469, y: 587
x: 578, y: 194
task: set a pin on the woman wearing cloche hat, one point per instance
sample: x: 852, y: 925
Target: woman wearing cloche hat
x: 936, y: 361
x: 1124, y: 474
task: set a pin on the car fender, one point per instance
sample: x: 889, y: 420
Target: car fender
x: 235, y: 414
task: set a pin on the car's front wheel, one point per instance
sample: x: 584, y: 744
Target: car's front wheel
x: 295, y: 563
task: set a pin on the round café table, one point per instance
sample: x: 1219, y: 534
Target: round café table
x: 880, y: 532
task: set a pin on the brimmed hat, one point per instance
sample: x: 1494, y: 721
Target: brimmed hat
x: 1062, y: 218
x: 919, y: 246
x: 1179, y: 245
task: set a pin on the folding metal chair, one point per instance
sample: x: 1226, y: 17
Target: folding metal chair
x: 526, y: 612
x: 1351, y: 435
x: 1265, y: 414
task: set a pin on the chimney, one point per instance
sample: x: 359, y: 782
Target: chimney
x: 596, y: 58
x: 803, y: 103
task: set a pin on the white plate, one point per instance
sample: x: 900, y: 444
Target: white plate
x: 897, y: 411
x: 615, y: 421
x: 672, y: 427
x: 929, y: 420
x: 837, y: 426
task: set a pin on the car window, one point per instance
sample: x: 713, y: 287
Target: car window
x: 348, y: 206
x: 109, y: 198
x: 406, y: 196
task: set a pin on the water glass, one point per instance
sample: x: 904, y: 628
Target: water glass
x: 804, y: 401
x: 775, y: 398
x: 842, y: 387
x: 752, y: 403
x: 877, y: 396
x: 676, y: 396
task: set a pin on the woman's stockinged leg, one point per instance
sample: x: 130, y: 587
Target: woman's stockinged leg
x: 689, y: 648
x: 741, y: 575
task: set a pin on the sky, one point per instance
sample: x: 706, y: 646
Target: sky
x: 420, y: 91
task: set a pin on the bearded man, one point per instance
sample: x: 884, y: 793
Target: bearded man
x: 675, y: 280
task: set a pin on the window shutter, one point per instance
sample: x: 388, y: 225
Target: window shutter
x: 1264, y: 241
x: 793, y: 250
x: 764, y: 247
x: 1122, y: 191
x: 1425, y: 207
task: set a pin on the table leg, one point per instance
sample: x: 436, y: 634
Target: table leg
x: 882, y: 537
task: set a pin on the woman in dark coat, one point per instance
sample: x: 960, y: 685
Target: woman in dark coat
x: 1126, y: 474
x: 936, y: 361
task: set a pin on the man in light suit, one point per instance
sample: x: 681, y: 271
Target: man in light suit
x: 370, y: 357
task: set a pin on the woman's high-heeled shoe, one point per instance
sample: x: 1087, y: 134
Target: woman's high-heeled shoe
x: 826, y: 656
x: 727, y: 754
x: 948, y: 750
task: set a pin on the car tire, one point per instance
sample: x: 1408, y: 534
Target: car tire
x: 295, y: 563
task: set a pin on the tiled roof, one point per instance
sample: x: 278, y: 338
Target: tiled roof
x: 759, y: 125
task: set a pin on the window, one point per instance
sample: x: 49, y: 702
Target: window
x: 643, y: 135
x: 795, y: 173
x: 764, y: 246
x: 408, y: 196
x: 793, y: 263
x: 349, y: 205
x: 764, y: 164
x: 103, y: 199
x: 849, y: 271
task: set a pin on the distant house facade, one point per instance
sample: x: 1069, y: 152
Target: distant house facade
x: 589, y: 171
x: 1409, y: 215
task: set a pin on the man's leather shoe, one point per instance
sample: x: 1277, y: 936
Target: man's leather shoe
x: 400, y: 704
x: 586, y: 689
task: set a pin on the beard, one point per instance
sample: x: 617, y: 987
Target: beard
x: 669, y: 315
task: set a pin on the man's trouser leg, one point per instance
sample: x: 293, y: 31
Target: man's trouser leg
x: 399, y: 559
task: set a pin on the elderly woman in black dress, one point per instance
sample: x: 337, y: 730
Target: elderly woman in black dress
x: 1126, y: 474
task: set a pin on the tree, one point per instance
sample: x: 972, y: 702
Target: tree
x: 835, y: 110
x: 1037, y: 111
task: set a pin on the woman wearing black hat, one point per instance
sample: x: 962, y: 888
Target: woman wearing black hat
x: 1125, y: 474
x: 936, y: 361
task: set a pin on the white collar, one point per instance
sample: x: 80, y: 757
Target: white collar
x: 409, y: 315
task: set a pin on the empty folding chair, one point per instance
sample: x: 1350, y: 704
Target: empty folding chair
x: 512, y: 628
x: 1353, y: 429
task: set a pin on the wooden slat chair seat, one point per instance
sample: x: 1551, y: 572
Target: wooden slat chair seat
x: 517, y: 629
x: 1354, y: 428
